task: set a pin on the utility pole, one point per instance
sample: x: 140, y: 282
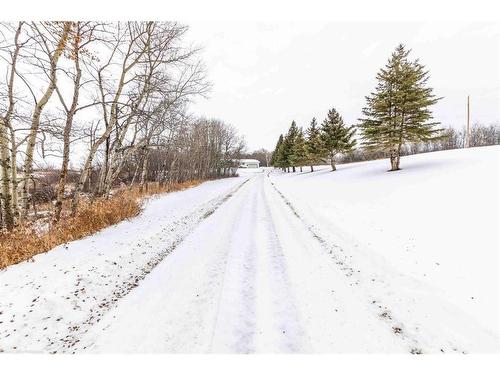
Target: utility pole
x: 467, y: 135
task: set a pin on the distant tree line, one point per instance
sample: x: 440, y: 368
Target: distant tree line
x: 397, y: 120
x: 480, y: 135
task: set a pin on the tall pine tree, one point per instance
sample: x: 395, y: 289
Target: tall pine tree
x: 336, y: 137
x: 399, y: 110
x: 288, y: 146
x: 283, y: 154
x: 276, y: 153
x: 299, y: 149
x: 314, y: 145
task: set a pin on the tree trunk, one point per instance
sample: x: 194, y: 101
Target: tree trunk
x: 5, y: 165
x: 134, y: 176
x: 35, y: 121
x: 170, y: 175
x: 33, y: 199
x: 66, y: 139
x: 395, y: 162
x: 104, y: 169
x: 332, y: 163
x: 83, y: 177
x: 14, y: 182
x: 394, y: 157
x: 293, y: 169
x: 8, y: 158
x: 300, y: 168
x: 144, y: 172
x: 312, y: 169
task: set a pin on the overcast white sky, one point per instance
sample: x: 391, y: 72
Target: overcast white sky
x: 265, y: 75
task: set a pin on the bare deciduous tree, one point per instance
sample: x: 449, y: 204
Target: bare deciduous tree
x: 53, y: 54
x: 122, y: 97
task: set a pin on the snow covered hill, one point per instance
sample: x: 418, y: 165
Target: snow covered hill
x: 429, y: 234
x: 359, y: 260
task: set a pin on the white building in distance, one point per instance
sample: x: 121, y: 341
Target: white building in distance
x: 249, y: 163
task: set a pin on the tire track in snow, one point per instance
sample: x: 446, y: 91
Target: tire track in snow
x: 235, y: 325
x: 182, y: 228
x: 287, y: 322
x: 178, y: 301
x: 256, y: 308
x: 384, y: 313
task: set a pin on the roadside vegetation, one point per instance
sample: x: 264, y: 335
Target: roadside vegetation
x: 93, y: 117
x: 25, y: 241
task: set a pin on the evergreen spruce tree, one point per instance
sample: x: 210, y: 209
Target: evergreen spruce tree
x: 288, y: 146
x: 275, y: 157
x: 398, y: 111
x: 282, y: 158
x: 299, y: 149
x: 314, y: 145
x: 284, y: 154
x: 336, y: 137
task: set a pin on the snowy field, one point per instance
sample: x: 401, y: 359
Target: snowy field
x: 426, y: 238
x: 359, y: 260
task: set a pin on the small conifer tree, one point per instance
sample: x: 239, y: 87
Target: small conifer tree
x: 288, y: 146
x: 337, y: 138
x: 299, y: 149
x: 314, y: 145
x: 276, y: 153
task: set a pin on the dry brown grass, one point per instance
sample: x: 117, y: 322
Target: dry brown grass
x: 25, y: 242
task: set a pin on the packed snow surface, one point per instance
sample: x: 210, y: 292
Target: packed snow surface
x: 357, y: 260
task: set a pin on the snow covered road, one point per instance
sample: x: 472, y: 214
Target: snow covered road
x: 239, y: 265
x: 249, y: 278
